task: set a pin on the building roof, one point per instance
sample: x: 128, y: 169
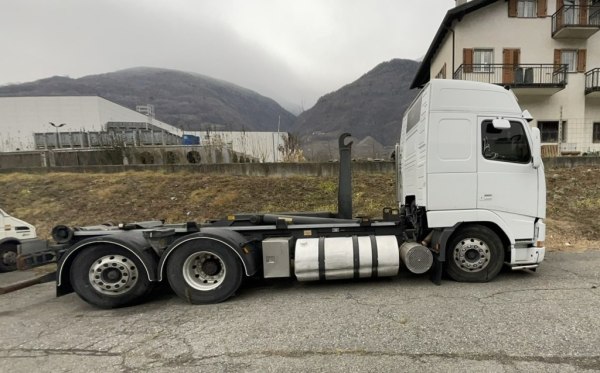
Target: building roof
x: 456, y: 13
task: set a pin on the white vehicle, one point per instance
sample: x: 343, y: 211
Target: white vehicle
x: 13, y: 233
x: 471, y: 195
x: 471, y: 163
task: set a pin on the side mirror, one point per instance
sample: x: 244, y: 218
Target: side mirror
x: 537, y: 147
x: 501, y: 124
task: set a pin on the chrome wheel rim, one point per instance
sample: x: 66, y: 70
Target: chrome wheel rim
x: 113, y: 274
x: 204, y: 271
x: 471, y: 254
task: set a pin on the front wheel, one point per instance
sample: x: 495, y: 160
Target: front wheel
x: 204, y: 271
x: 8, y: 257
x: 474, y: 254
x: 109, y: 277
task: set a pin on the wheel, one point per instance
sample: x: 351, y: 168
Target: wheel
x: 8, y: 257
x: 204, y: 271
x: 474, y: 254
x: 109, y: 277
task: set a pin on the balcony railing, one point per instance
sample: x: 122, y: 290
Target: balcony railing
x: 515, y: 76
x: 592, y: 81
x: 576, y: 21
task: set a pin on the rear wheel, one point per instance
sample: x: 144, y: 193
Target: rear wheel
x: 474, y: 254
x: 8, y: 257
x: 109, y: 277
x: 204, y: 271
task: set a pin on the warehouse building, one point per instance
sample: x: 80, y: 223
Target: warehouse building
x: 33, y: 123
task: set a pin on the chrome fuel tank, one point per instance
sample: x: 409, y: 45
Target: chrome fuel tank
x: 346, y: 257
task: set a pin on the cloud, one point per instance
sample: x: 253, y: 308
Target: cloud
x: 293, y: 51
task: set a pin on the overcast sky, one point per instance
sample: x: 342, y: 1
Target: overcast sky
x: 291, y: 50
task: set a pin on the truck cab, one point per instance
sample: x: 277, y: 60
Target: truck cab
x: 469, y: 161
x: 13, y: 233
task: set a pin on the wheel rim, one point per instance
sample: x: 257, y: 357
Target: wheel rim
x: 471, y: 254
x: 9, y: 258
x: 204, y: 270
x: 113, y: 274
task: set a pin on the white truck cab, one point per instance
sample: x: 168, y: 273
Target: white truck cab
x: 13, y: 232
x: 468, y: 159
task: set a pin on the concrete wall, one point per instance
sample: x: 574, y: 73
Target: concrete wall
x: 274, y: 169
x: 147, y: 155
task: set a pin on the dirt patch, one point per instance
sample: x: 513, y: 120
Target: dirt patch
x: 46, y: 200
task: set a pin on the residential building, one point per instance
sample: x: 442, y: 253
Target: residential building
x: 546, y: 51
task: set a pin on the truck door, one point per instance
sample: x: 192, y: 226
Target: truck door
x: 507, y: 181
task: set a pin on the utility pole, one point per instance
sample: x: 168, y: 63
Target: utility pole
x: 57, y: 126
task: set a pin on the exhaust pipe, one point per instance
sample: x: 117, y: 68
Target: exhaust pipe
x: 345, y: 180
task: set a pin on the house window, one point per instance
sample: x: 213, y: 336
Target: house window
x: 482, y: 59
x: 549, y: 131
x: 569, y: 58
x: 596, y: 134
x: 527, y: 8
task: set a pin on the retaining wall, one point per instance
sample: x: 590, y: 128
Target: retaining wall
x: 269, y: 169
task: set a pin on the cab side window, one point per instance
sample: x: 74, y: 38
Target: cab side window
x: 505, y: 145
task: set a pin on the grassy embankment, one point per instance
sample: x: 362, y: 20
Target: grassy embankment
x: 46, y: 200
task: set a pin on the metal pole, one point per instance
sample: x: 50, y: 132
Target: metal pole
x: 57, y: 126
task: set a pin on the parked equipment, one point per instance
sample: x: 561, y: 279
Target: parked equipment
x: 471, y: 192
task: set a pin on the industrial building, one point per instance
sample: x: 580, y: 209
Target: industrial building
x: 262, y: 146
x: 91, y: 122
x: 31, y: 123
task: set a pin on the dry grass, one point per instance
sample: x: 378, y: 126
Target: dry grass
x: 46, y: 200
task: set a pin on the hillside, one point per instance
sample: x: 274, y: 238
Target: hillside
x: 186, y: 100
x: 46, y: 200
x: 370, y: 106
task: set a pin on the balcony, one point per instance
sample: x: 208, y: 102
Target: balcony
x: 576, y: 22
x: 523, y: 79
x: 592, y: 83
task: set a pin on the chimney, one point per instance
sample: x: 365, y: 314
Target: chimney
x: 461, y: 2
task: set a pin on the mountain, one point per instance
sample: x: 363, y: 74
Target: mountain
x: 186, y: 100
x: 372, y: 106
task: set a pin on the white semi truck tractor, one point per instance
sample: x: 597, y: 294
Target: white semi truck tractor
x: 471, y: 199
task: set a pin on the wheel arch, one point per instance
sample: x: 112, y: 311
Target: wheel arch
x: 128, y: 241
x: 230, y: 239
x: 10, y: 240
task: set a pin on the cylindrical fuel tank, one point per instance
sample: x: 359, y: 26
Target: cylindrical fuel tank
x: 346, y: 257
x: 417, y: 258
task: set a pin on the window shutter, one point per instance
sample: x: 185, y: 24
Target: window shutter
x: 583, y: 13
x: 542, y: 8
x: 581, y: 55
x: 557, y: 54
x: 559, y: 4
x: 468, y: 60
x: 516, y: 57
x: 512, y: 8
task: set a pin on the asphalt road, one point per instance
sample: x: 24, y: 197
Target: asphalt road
x: 544, y: 321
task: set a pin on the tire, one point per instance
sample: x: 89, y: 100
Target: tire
x: 204, y: 271
x: 109, y: 276
x: 474, y: 254
x: 8, y: 257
